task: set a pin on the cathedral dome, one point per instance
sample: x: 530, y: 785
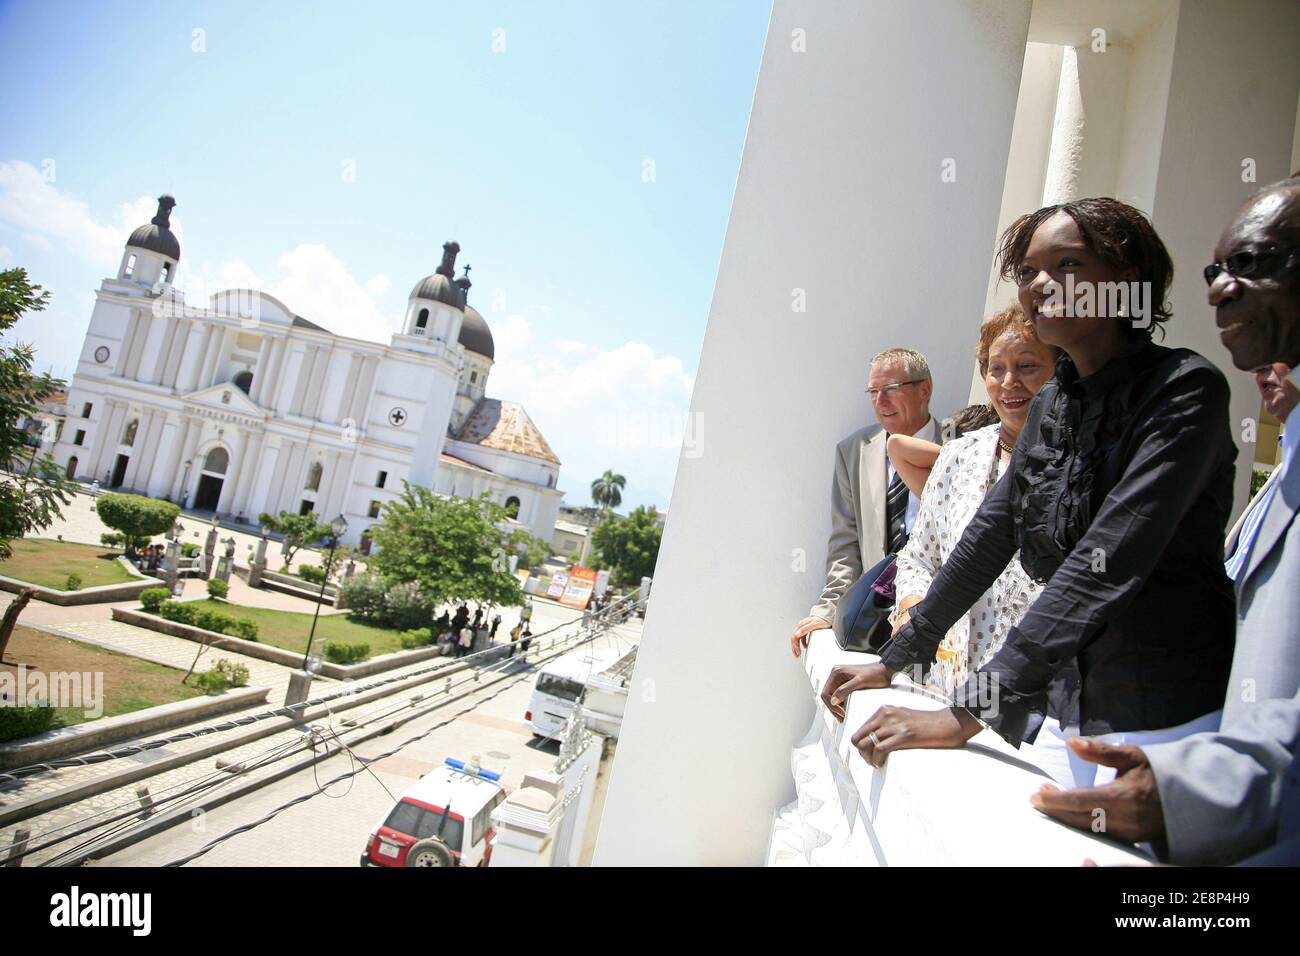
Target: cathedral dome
x: 475, y: 334
x: 157, y: 235
x: 440, y: 289
x: 441, y: 286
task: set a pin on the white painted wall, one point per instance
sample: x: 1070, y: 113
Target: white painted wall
x: 839, y: 194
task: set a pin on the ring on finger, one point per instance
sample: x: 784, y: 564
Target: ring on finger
x: 875, y: 741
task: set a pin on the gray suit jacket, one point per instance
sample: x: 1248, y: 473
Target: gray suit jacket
x: 1221, y: 791
x: 858, y: 527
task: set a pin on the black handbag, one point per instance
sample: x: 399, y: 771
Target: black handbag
x: 862, y: 614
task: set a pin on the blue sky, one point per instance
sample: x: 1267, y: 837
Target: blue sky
x: 584, y: 155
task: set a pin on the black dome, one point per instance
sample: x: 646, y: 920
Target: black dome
x: 475, y: 334
x: 157, y: 236
x: 440, y: 289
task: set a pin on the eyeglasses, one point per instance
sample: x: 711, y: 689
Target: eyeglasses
x: 875, y: 393
x: 1251, y: 265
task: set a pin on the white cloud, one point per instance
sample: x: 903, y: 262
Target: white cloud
x: 49, y: 218
x: 310, y: 279
x: 315, y: 283
x: 623, y: 408
x: 378, y: 285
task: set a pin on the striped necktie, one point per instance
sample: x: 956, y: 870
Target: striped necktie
x: 896, y: 514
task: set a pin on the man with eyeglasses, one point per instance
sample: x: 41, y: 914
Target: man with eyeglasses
x: 1214, y: 798
x: 872, y: 510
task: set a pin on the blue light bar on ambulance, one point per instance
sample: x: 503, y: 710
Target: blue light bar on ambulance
x: 460, y: 765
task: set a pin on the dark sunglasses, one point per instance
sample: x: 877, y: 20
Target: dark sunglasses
x: 1251, y: 265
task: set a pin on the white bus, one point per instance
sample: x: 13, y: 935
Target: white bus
x: 560, y: 686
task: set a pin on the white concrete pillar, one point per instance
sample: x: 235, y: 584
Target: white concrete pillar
x: 99, y: 441
x: 212, y: 355
x: 864, y: 217
x: 185, y: 476
x: 146, y: 447
x: 1228, y: 129
x: 527, y: 821
x: 248, y: 476
x: 262, y: 498
x: 169, y: 450
x: 231, y: 483
x: 112, y: 439
x: 188, y: 376
x: 259, y: 367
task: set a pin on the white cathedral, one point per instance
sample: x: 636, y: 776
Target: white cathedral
x: 242, y: 407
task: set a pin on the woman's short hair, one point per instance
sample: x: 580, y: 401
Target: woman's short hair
x: 1010, y: 319
x: 1121, y: 236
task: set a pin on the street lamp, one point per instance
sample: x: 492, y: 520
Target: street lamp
x: 338, y: 527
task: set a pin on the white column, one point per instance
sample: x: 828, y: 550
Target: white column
x: 247, y: 476
x: 184, y: 476
x: 188, y: 376
x: 169, y: 450
x: 148, y: 449
x: 1232, y: 98
x: 97, y: 445
x: 231, y: 483
x: 262, y: 498
x: 864, y: 217
x: 212, y: 355
x: 259, y: 369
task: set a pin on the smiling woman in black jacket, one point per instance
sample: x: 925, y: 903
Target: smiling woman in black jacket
x: 1116, y: 497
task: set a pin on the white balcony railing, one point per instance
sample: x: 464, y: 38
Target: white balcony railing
x: 966, y: 807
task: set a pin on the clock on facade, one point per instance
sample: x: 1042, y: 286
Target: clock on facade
x: 101, y: 354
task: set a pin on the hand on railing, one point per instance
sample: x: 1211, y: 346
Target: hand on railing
x: 844, y: 679
x: 799, y: 639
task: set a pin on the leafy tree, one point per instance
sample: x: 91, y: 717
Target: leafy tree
x: 453, y: 548
x: 607, y: 490
x: 532, y: 550
x: 137, y: 518
x: 32, y: 501
x: 299, y: 531
x: 629, y: 546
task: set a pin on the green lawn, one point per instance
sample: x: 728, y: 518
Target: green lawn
x: 48, y: 563
x: 289, y: 629
x: 128, y: 683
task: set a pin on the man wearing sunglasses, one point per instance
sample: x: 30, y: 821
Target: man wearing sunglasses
x: 1216, y: 797
x: 872, y: 510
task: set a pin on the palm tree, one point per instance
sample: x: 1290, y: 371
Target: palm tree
x: 607, y: 490
x: 606, y: 493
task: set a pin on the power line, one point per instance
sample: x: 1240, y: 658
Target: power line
x: 302, y: 743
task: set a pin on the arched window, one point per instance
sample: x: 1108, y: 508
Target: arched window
x: 130, y: 265
x: 512, y: 506
x: 72, y: 467
x: 217, y: 461
x: 128, y: 437
x: 243, y: 381
x: 166, y: 272
x: 313, y: 477
x: 422, y: 319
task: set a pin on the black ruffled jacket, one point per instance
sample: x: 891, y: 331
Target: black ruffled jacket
x: 1117, y: 495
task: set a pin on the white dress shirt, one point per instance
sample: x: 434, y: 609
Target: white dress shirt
x: 930, y: 432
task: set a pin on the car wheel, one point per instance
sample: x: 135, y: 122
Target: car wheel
x: 429, y: 853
